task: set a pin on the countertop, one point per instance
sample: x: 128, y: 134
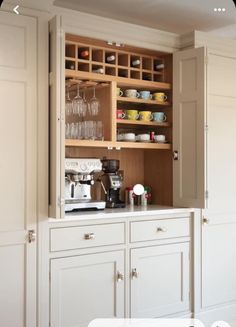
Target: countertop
x: 129, y: 211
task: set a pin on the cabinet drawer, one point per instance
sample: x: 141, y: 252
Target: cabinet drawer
x: 158, y: 229
x: 69, y: 238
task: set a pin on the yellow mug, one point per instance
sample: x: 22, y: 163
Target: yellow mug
x: 145, y: 115
x: 131, y: 114
x: 159, y: 96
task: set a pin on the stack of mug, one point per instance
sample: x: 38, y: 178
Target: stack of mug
x: 132, y: 114
x: 145, y: 95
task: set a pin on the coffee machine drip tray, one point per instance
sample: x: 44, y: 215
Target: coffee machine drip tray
x: 74, y: 204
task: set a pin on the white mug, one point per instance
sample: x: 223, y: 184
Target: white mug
x: 132, y: 93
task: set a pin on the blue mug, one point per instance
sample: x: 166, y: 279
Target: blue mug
x: 145, y: 95
x: 159, y: 117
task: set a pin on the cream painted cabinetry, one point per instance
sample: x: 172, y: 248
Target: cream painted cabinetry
x: 85, y: 287
x: 159, y: 284
x: 18, y: 148
x: 204, y: 174
x: 123, y: 278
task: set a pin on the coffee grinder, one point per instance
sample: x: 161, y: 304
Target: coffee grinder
x: 111, y: 182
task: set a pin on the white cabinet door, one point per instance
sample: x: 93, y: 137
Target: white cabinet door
x: 18, y: 149
x: 161, y: 286
x: 218, y: 261
x: 56, y: 119
x: 87, y: 287
x: 189, y: 128
x: 221, y: 135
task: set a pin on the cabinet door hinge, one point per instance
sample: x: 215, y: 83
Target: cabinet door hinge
x: 61, y: 202
x: 206, y: 128
x: 206, y: 194
x: 61, y: 32
x: 206, y: 60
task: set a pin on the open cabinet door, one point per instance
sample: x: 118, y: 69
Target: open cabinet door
x: 189, y: 80
x: 56, y: 119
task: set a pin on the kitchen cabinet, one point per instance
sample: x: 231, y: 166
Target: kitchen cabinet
x: 18, y: 148
x: 204, y: 170
x: 86, y: 287
x: 203, y: 149
x: 203, y: 157
x: 134, y: 278
x: 159, y: 282
x: 68, y: 69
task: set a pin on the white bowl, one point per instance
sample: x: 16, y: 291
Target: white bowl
x: 129, y: 137
x: 159, y: 138
x: 143, y: 137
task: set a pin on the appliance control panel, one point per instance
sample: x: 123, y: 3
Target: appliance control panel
x: 82, y: 165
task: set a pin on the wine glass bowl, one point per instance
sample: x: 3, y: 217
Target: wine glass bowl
x: 94, y: 105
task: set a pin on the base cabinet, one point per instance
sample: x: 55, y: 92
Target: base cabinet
x: 218, y: 261
x: 86, y: 287
x: 160, y: 280
x: 129, y: 278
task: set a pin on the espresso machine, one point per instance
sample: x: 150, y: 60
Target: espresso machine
x: 79, y: 178
x: 111, y: 181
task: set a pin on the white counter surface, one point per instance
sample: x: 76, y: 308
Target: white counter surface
x: 135, y: 211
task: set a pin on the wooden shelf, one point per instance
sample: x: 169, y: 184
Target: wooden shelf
x: 107, y: 144
x: 141, y: 122
x: 89, y: 143
x: 143, y: 145
x: 137, y: 100
x: 121, y: 81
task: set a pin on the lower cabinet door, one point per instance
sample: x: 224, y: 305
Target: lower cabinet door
x: 159, y: 280
x: 86, y: 287
x: 218, y: 261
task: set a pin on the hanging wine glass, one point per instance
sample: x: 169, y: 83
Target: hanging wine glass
x: 85, y: 105
x: 94, y: 104
x: 77, y: 103
x: 68, y: 104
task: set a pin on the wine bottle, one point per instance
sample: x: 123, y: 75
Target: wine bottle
x: 110, y: 58
x: 159, y: 66
x: 135, y: 62
x: 84, y: 54
x: 98, y: 71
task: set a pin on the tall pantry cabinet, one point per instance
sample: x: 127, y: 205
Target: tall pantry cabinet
x: 203, y: 162
x: 18, y: 174
x: 204, y: 139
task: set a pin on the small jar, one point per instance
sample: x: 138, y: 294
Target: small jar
x: 129, y: 196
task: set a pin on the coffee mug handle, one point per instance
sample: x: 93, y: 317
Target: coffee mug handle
x: 165, y: 97
x: 150, y: 96
x: 164, y: 118
x: 121, y: 93
x: 123, y: 115
x: 137, y: 95
x: 137, y: 116
x: 151, y: 117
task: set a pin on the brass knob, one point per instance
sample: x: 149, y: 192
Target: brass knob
x: 161, y: 229
x: 119, y: 277
x: 89, y: 236
x: 134, y: 273
x: 206, y: 221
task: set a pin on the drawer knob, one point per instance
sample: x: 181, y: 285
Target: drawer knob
x: 134, y: 273
x: 161, y: 229
x: 89, y: 236
x: 119, y: 277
